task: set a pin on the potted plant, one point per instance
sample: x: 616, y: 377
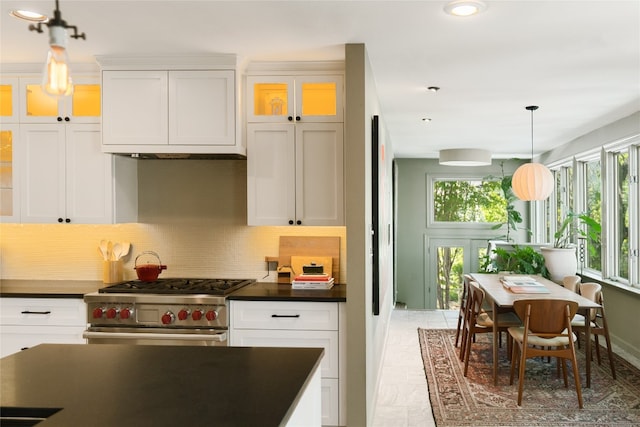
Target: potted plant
x: 518, y: 260
x: 561, y: 259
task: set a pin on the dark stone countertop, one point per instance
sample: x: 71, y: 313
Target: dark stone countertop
x: 136, y: 385
x: 14, y: 288
x: 269, y: 291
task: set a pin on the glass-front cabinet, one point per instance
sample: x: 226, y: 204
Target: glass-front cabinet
x: 83, y: 106
x: 9, y: 203
x: 278, y: 99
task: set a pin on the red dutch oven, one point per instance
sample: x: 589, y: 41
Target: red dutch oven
x: 149, y: 272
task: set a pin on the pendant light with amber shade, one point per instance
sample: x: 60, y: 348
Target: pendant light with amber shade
x: 532, y: 181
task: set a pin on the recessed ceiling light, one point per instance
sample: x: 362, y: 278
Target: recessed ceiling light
x: 433, y: 88
x: 28, y: 15
x: 464, y: 7
x: 426, y: 119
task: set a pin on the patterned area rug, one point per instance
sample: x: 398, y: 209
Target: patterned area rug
x: 475, y: 401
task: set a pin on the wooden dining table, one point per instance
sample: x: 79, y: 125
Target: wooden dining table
x: 502, y: 299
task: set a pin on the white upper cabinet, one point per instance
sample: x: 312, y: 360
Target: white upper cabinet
x: 169, y: 111
x: 304, y: 99
x: 295, y: 174
x: 135, y: 105
x: 66, y: 178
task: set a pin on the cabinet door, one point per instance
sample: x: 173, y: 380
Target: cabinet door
x: 16, y: 338
x: 89, y: 195
x: 319, y: 99
x: 9, y: 100
x: 9, y: 167
x: 202, y: 107
x: 135, y: 108
x: 319, y: 174
x: 43, y: 173
x: 82, y: 106
x: 270, y: 174
x: 271, y: 99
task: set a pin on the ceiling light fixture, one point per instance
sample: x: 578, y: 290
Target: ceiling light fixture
x: 464, y: 7
x: 532, y: 181
x: 57, y: 78
x: 28, y: 15
x: 465, y: 157
x: 433, y: 88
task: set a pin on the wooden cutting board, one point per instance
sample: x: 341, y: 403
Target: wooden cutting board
x: 316, y: 247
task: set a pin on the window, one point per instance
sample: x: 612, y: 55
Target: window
x: 592, y: 193
x: 603, y: 184
x: 468, y: 200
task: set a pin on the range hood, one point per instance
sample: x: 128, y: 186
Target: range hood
x: 184, y: 156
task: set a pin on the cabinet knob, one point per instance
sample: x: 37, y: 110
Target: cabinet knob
x: 290, y: 222
x: 290, y: 118
x: 299, y: 222
x: 297, y: 118
x: 59, y: 119
x: 67, y: 220
x: 66, y: 119
x: 60, y: 220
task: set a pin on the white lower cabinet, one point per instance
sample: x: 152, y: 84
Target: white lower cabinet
x: 297, y: 324
x: 26, y: 322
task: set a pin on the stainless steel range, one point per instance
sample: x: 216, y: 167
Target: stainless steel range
x: 162, y: 312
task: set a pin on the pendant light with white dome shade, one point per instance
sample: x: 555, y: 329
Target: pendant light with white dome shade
x: 532, y: 181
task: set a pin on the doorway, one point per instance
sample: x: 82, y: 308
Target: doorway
x: 448, y: 260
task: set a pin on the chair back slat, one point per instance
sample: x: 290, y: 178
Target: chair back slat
x: 535, y: 313
x: 572, y: 283
x: 593, y: 292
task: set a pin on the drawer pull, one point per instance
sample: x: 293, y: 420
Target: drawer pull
x: 285, y: 315
x: 36, y: 312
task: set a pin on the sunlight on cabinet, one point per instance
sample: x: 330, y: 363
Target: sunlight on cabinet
x: 6, y: 100
x: 38, y: 103
x: 6, y: 173
x: 85, y: 101
x: 319, y: 99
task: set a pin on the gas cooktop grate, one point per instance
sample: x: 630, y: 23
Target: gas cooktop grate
x: 179, y: 286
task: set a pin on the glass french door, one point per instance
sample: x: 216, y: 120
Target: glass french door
x: 449, y: 260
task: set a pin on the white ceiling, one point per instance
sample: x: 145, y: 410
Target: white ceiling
x: 578, y: 60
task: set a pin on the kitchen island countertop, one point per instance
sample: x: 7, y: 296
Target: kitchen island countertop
x: 138, y: 385
x: 25, y: 288
x: 269, y: 291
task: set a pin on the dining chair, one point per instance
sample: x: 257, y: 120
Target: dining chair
x: 480, y: 321
x: 593, y: 291
x: 572, y: 283
x: 464, y: 298
x: 546, y: 332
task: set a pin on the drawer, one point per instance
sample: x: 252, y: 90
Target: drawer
x: 284, y: 315
x: 43, y: 311
x: 272, y: 338
x: 16, y: 338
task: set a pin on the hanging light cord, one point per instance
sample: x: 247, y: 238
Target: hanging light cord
x: 532, y: 108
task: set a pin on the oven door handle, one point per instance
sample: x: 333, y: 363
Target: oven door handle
x: 155, y: 336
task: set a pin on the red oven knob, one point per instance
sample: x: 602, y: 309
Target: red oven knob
x: 98, y: 313
x: 183, y: 314
x: 112, y: 313
x: 196, y: 315
x: 126, y: 313
x: 168, y: 318
x: 211, y: 315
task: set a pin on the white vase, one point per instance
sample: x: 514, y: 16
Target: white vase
x: 560, y: 262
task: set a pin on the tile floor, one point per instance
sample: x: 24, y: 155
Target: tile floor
x: 403, y: 397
